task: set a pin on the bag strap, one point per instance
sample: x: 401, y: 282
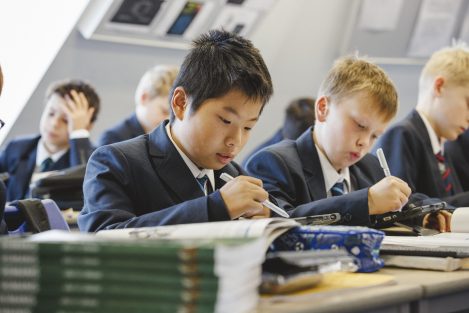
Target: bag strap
x: 34, y: 213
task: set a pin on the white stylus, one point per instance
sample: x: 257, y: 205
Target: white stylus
x: 226, y: 177
x: 382, y: 162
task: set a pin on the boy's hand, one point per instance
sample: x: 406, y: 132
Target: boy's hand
x: 78, y: 112
x: 243, y: 196
x: 389, y: 194
x: 440, y: 220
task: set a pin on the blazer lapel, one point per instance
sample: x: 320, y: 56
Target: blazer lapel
x: 311, y: 165
x: 169, y: 165
x: 25, y: 168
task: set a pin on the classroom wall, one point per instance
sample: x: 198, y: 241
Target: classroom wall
x: 299, y: 40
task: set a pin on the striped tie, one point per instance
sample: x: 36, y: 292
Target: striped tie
x: 46, y: 165
x: 205, y: 184
x: 338, y: 189
x: 445, y: 172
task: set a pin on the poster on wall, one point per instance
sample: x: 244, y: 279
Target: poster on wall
x: 435, y: 26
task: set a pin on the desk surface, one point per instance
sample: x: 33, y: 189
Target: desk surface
x: 416, y: 291
x: 434, y: 283
x: 357, y: 301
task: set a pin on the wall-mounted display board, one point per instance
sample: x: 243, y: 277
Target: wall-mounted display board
x: 168, y: 23
x: 405, y: 32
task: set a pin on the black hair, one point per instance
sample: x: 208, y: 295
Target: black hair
x: 299, y: 116
x: 64, y: 87
x: 219, y: 62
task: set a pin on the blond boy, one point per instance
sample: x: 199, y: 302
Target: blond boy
x: 414, y: 147
x: 328, y: 169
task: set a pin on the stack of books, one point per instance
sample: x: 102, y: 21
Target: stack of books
x: 64, y: 272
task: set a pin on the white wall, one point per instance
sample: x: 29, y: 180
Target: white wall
x: 299, y: 40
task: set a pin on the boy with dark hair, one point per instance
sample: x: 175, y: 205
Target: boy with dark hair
x: 299, y: 116
x: 458, y: 152
x: 414, y: 146
x: 71, y: 109
x: 171, y: 176
x: 328, y: 168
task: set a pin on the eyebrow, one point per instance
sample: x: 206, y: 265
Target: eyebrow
x: 233, y: 111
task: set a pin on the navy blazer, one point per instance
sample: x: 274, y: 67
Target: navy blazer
x: 3, y: 225
x: 292, y: 173
x: 409, y: 153
x: 458, y: 152
x: 127, y: 129
x: 19, y: 161
x: 277, y: 137
x: 145, y: 182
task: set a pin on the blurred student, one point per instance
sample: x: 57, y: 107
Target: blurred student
x: 458, y: 152
x: 71, y: 108
x: 414, y: 146
x: 299, y: 116
x: 152, y: 106
x: 328, y: 168
x: 3, y: 225
x: 172, y: 174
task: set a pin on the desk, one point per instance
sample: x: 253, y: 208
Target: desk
x: 384, y: 299
x: 441, y: 291
x: 417, y: 291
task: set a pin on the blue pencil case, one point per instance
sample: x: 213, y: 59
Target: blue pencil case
x: 363, y: 243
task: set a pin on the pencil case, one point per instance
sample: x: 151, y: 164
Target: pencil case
x: 362, y: 243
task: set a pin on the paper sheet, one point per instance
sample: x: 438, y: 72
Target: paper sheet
x: 380, y: 15
x: 435, y: 26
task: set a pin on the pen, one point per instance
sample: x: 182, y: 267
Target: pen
x: 226, y: 177
x: 382, y: 162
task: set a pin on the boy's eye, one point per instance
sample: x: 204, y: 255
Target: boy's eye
x: 361, y: 126
x: 247, y: 128
x: 224, y: 120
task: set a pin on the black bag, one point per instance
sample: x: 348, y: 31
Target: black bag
x: 64, y: 187
x: 31, y: 216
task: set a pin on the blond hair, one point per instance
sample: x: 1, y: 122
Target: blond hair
x: 352, y: 74
x: 452, y: 63
x: 157, y: 81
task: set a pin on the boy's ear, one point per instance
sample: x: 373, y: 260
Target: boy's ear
x: 321, y: 108
x: 144, y: 98
x: 179, y: 102
x: 438, y: 84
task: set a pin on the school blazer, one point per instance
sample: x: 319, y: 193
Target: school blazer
x: 145, y: 182
x: 292, y: 173
x: 126, y: 129
x: 277, y: 137
x: 458, y: 152
x: 409, y: 154
x: 3, y: 225
x: 19, y: 161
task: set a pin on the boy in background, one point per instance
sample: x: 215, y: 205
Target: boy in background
x: 172, y: 175
x: 152, y: 107
x: 414, y: 146
x: 3, y: 225
x: 328, y: 168
x: 299, y: 116
x: 71, y: 108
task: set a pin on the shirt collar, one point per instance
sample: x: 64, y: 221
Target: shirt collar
x: 195, y: 170
x: 436, y: 143
x: 330, y: 174
x: 43, y: 154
